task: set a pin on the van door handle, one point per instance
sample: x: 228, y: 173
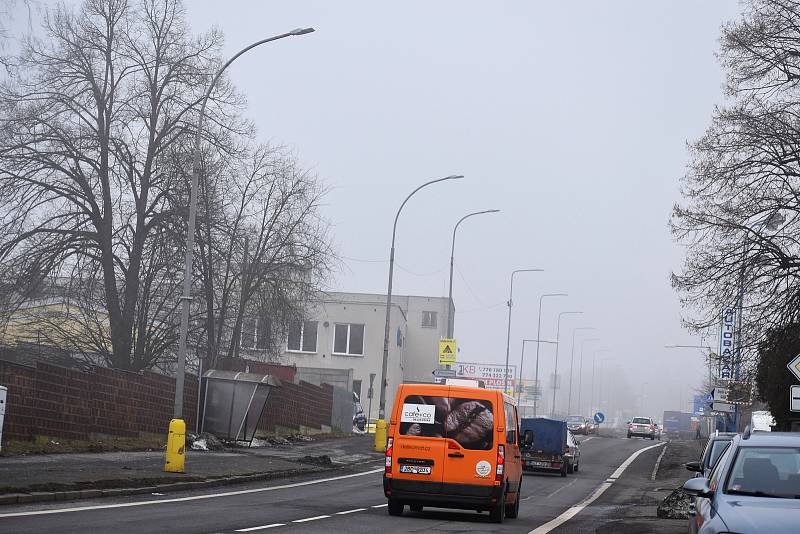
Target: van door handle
x: 455, y: 455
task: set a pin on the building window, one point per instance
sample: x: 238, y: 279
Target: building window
x: 263, y: 333
x: 429, y: 319
x: 348, y: 339
x: 357, y: 388
x: 302, y: 336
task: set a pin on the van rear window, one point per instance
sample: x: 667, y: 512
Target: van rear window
x: 470, y: 422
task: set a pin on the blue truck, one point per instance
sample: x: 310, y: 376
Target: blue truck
x: 677, y: 424
x: 547, y: 445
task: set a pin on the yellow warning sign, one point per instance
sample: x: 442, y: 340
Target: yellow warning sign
x: 447, y: 351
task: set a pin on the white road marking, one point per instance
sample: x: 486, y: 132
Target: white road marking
x: 575, y: 510
x: 658, y: 463
x: 380, y: 505
x: 351, y: 511
x: 574, y: 480
x: 262, y: 527
x: 310, y: 518
x: 186, y: 499
x: 587, y: 439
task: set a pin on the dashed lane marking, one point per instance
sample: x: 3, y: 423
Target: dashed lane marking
x: 575, y: 510
x: 192, y: 498
x: 311, y: 518
x: 351, y: 511
x: 262, y: 527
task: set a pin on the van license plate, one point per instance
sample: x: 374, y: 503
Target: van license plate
x: 416, y: 469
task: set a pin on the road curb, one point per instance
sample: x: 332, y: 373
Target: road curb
x: 77, y: 494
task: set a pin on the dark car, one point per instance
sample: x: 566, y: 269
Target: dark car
x: 754, y: 487
x: 577, y: 424
x: 714, y: 448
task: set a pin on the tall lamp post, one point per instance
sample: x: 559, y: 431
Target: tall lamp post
x: 594, y: 361
x: 538, y: 336
x: 580, y: 370
x: 186, y: 297
x: 558, y: 346
x: 536, y: 380
x: 771, y: 221
x: 510, y: 303
x: 452, y: 254
x: 571, y: 363
x: 385, y: 362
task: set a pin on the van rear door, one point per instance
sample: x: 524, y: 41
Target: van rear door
x: 471, y: 456
x: 419, y: 449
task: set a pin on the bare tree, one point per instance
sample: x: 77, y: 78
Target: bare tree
x: 744, y: 169
x: 90, y: 122
x: 263, y: 248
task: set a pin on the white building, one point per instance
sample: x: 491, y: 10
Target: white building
x: 341, y: 342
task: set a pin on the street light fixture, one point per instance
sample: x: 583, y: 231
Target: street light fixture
x: 186, y: 297
x: 555, y: 373
x: 510, y: 303
x: 385, y: 362
x: 580, y: 370
x: 536, y: 381
x: 452, y: 254
x: 571, y: 362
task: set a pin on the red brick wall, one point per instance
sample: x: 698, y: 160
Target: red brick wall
x: 58, y: 402
x: 292, y: 405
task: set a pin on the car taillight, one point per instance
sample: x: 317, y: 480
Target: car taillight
x: 501, y: 460
x: 389, y: 443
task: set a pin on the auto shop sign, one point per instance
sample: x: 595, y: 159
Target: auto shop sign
x: 493, y: 375
x: 727, y: 344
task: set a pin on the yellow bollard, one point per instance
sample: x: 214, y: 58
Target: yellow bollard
x: 176, y: 447
x: 380, y: 435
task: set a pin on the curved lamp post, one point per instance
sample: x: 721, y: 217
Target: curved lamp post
x: 580, y: 370
x: 452, y: 254
x: 558, y: 346
x: 186, y: 297
x: 384, y: 363
x: 536, y: 381
x: 510, y: 303
x: 538, y: 336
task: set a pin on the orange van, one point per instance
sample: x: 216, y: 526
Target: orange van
x: 453, y: 447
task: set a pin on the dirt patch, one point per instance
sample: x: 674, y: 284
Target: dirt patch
x: 45, y: 445
x: 678, y: 453
x: 323, y: 460
x: 675, y: 506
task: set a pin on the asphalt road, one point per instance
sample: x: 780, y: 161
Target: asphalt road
x: 336, y: 502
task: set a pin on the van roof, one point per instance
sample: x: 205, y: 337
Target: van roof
x: 478, y: 392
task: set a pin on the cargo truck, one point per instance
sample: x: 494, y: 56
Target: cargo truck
x: 678, y: 424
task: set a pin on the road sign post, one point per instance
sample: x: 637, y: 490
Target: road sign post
x: 794, y: 367
x: 794, y: 399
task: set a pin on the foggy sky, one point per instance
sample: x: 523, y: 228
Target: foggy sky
x: 570, y: 117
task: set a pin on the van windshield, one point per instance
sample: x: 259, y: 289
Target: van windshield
x: 470, y: 422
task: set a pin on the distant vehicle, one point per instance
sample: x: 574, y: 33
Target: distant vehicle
x: 678, y: 425
x: 547, y: 445
x: 577, y: 424
x: 642, y: 427
x: 444, y: 449
x: 591, y: 426
x: 754, y: 487
x: 659, y: 430
x: 359, y: 419
x: 716, y: 445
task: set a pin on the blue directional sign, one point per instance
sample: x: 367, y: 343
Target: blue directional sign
x: 599, y: 417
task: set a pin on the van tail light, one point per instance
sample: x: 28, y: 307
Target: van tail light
x: 501, y: 462
x: 389, y: 452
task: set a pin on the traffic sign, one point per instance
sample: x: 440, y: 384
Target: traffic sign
x: 794, y: 366
x: 599, y: 417
x: 722, y: 407
x: 720, y: 394
x: 794, y: 399
x: 447, y: 351
x: 444, y: 373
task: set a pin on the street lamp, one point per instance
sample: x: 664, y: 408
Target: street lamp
x: 594, y: 361
x: 538, y: 335
x: 580, y: 370
x: 555, y: 373
x: 536, y: 380
x: 186, y: 297
x: 510, y: 303
x: 571, y: 364
x: 452, y: 254
x: 385, y: 362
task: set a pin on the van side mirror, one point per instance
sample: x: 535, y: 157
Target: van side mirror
x: 527, y: 439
